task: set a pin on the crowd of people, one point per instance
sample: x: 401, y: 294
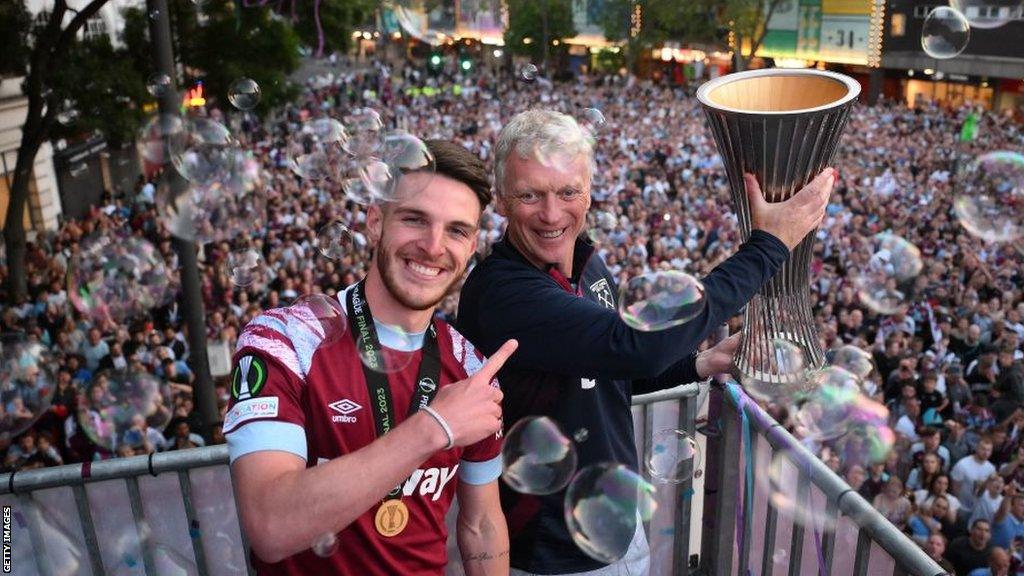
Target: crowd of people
x: 947, y: 362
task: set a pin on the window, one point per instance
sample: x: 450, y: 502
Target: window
x: 95, y: 27
x: 898, y: 25
x: 923, y: 11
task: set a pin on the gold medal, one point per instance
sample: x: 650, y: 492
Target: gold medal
x: 391, y: 518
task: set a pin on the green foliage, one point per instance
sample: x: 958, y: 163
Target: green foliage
x: 248, y: 42
x: 15, y: 22
x: 527, y: 18
x: 662, y: 20
x: 337, y: 20
x: 100, y: 84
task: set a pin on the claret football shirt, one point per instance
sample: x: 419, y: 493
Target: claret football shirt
x: 294, y: 394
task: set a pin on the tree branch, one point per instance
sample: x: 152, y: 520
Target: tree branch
x: 77, y: 23
x: 764, y: 29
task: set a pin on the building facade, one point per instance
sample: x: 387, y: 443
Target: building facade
x: 989, y: 72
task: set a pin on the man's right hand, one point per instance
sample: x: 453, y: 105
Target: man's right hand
x: 472, y: 407
x: 792, y: 219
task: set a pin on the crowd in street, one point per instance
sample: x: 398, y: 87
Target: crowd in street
x: 948, y: 363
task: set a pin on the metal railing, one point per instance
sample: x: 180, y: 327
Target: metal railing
x: 804, y: 521
x: 174, y: 512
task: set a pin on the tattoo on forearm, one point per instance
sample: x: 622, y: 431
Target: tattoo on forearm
x: 484, y: 556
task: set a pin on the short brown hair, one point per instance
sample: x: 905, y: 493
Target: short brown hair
x: 457, y: 163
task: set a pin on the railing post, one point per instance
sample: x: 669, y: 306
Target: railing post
x: 681, y: 536
x: 721, y: 486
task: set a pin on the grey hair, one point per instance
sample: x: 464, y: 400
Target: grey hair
x: 542, y: 133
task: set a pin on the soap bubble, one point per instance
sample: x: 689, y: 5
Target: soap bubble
x: 780, y: 480
x: 601, y: 226
x: 777, y: 371
x: 851, y: 358
x: 114, y: 279
x: 365, y: 132
x: 945, y: 33
x: 244, y: 93
x: 537, y: 457
x: 27, y: 381
x: 317, y: 151
x: 893, y: 263
x: 825, y: 413
x: 660, y: 300
x: 429, y: 22
x: 404, y: 154
x: 120, y: 407
x: 326, y: 545
x: 592, y: 121
x: 397, y: 351
x: 528, y: 72
x: 990, y: 197
x: 322, y: 315
x: 245, y: 267
x: 334, y: 241
x: 155, y: 136
x: 204, y: 151
x: 987, y: 14
x: 158, y: 84
x: 603, y: 506
x: 672, y: 456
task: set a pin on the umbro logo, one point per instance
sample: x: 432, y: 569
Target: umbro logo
x: 344, y: 408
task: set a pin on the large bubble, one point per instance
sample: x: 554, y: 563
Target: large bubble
x: 334, y: 241
x: 322, y: 315
x: 986, y: 14
x: 113, y: 279
x: 777, y: 372
x: 246, y: 267
x: 27, y: 382
x: 990, y: 197
x: 780, y: 480
x: 885, y: 282
x: 837, y: 413
x: 158, y: 84
x: 537, y: 457
x: 365, y: 132
x: 155, y: 136
x: 528, y: 73
x: 857, y: 361
x: 603, y: 507
x: 601, y: 226
x: 660, y: 300
x: 121, y: 407
x: 244, y: 94
x: 316, y: 152
x: 204, y: 151
x: 672, y: 457
x: 945, y: 33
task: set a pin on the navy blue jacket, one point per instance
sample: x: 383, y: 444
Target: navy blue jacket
x: 580, y: 364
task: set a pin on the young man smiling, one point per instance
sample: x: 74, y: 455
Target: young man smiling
x: 578, y: 362
x: 330, y: 445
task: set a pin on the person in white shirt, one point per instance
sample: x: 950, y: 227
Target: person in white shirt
x: 970, y: 473
x: 988, y: 502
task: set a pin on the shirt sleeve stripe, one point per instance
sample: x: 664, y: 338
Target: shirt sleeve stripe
x: 267, y: 435
x: 478, y: 473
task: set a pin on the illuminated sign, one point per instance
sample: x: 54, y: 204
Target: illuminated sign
x: 194, y: 97
x: 844, y: 31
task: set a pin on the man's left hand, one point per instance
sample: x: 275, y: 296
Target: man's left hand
x: 718, y: 358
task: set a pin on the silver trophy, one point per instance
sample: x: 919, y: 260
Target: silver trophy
x: 782, y: 126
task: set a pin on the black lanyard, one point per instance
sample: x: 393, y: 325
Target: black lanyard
x: 365, y: 335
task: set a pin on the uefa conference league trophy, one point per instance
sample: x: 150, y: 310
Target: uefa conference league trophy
x: 782, y: 126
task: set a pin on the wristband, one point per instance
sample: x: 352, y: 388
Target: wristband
x: 444, y: 426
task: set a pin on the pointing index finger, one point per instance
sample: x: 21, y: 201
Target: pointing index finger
x: 497, y: 360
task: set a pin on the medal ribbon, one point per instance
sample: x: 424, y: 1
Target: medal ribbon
x: 365, y: 335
